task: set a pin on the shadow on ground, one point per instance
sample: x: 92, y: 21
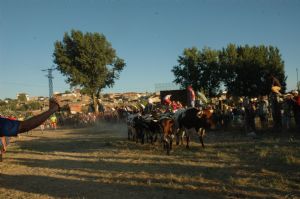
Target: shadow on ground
x: 197, y: 173
x: 66, y: 188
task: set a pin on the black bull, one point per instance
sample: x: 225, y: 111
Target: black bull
x: 189, y: 120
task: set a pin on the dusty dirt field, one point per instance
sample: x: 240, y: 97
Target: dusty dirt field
x: 101, y: 163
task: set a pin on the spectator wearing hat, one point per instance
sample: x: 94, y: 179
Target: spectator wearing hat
x: 276, y: 86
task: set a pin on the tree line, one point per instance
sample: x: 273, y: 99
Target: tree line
x: 8, y: 106
x: 241, y: 70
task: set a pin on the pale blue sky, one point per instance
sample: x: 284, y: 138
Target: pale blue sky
x: 148, y: 34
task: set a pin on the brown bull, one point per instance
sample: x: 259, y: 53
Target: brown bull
x: 167, y: 133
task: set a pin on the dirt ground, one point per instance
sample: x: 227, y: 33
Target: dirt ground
x: 101, y: 163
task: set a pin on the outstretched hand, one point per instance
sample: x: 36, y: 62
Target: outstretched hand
x: 54, y: 104
x: 35, y: 121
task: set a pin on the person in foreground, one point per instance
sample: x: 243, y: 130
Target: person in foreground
x: 10, y: 128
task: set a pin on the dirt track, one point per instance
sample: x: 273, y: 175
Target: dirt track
x: 101, y: 163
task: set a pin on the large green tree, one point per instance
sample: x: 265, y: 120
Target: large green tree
x: 246, y: 70
x: 89, y: 61
x: 199, y: 68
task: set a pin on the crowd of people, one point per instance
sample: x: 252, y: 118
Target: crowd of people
x: 277, y: 111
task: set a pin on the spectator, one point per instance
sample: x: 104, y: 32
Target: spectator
x: 275, y: 102
x: 263, y: 111
x: 296, y: 108
x: 167, y: 100
x: 149, y: 107
x: 191, y: 96
x: 250, y: 111
x: 287, y: 107
x: 53, y: 120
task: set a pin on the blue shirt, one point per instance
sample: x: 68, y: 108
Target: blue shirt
x: 9, y: 127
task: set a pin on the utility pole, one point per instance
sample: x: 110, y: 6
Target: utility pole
x: 50, y: 77
x: 297, y: 79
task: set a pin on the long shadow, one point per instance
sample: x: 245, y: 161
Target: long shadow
x: 222, y: 175
x: 62, y: 145
x: 238, y: 192
x: 117, y: 166
x: 66, y: 188
x: 157, y: 158
x: 80, y: 144
x: 49, y: 154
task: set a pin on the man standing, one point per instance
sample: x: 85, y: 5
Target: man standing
x: 296, y: 109
x: 275, y: 103
x: 191, y: 96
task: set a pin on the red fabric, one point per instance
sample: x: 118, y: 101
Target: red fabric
x: 297, y: 100
x: 174, y: 106
x: 167, y: 101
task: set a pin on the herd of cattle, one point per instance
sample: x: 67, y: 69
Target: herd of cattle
x: 167, y: 126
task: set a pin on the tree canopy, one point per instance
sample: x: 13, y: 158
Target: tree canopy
x: 87, y: 60
x: 198, y: 68
x: 243, y: 70
x: 247, y: 69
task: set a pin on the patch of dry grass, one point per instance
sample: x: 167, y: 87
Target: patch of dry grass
x: 101, y: 163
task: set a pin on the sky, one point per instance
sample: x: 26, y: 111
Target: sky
x: 148, y: 34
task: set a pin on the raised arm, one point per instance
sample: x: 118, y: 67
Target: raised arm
x: 37, y: 120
